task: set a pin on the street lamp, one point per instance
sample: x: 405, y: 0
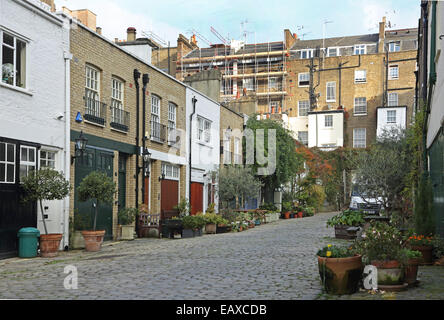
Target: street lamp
x: 79, y: 147
x: 146, y: 157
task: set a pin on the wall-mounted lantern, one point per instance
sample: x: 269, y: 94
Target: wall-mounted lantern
x: 80, y: 146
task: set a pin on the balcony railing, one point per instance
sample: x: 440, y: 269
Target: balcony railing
x: 120, y: 119
x: 95, y: 111
x: 158, y: 131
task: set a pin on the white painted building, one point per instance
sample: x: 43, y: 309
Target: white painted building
x: 326, y: 129
x: 34, y: 105
x: 205, y: 149
x: 389, y: 118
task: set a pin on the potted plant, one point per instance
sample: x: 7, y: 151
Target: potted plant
x: 46, y: 185
x: 340, y: 269
x: 189, y: 226
x: 345, y: 220
x: 412, y: 259
x: 79, y: 223
x: 126, y: 218
x: 223, y: 226
x: 286, y: 209
x: 424, y: 245
x: 98, y: 187
x: 381, y: 246
x: 184, y: 207
x: 211, y: 221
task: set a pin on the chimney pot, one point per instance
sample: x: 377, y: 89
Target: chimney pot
x: 99, y: 30
x: 131, y: 34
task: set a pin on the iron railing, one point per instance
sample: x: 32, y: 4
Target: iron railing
x: 95, y: 111
x: 158, y: 131
x: 120, y: 119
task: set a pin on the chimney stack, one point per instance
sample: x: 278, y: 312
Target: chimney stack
x: 131, y: 34
x: 99, y: 30
x: 50, y: 3
x: 381, y: 35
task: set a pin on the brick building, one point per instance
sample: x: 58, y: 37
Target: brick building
x: 104, y: 94
x: 349, y: 85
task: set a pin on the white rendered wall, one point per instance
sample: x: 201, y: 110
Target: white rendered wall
x: 31, y: 114
x: 319, y: 135
x: 382, y: 119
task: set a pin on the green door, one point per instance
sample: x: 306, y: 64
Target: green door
x: 122, y: 181
x: 93, y: 160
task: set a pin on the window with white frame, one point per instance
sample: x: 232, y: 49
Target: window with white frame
x: 394, y: 46
x: 303, y: 108
x: 172, y: 109
x: 203, y: 129
x: 27, y: 160
x: 155, y: 117
x: 170, y: 171
x: 333, y: 52
x: 116, y: 93
x: 47, y: 159
x: 360, y: 49
x: 92, y: 91
x: 392, y: 99
x: 272, y: 83
x: 247, y: 83
x: 7, y: 162
x: 13, y: 60
x: 360, y: 76
x: 391, y: 116
x: 303, y: 137
x: 331, y: 91
x: 359, y: 138
x: 303, y: 79
x: 306, y: 53
x: 328, y: 121
x: 393, y: 72
x: 360, y: 106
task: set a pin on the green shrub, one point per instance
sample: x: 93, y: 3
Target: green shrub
x: 347, y: 218
x: 268, y: 206
x: 336, y: 252
x: 127, y: 216
x: 286, y: 206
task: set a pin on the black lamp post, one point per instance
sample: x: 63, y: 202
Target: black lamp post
x: 80, y: 146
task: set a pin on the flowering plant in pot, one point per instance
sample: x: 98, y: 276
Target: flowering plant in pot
x: 211, y: 221
x: 424, y: 244
x: 340, y: 269
x: 381, y: 246
x: 192, y: 225
x: 96, y: 186
x: 46, y: 184
x: 126, y: 218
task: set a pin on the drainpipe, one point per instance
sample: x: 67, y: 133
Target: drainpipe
x: 136, y: 75
x: 193, y: 100
x: 67, y: 169
x: 145, y: 80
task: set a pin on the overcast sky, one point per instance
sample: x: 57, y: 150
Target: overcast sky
x: 266, y: 20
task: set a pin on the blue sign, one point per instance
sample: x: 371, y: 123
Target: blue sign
x: 79, y: 117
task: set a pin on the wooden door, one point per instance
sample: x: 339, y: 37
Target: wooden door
x: 196, y: 197
x: 169, y: 194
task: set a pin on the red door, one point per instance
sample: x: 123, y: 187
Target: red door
x: 196, y: 197
x: 169, y: 194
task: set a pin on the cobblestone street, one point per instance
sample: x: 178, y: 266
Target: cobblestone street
x: 273, y: 261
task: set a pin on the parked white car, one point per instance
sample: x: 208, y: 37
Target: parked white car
x: 367, y: 205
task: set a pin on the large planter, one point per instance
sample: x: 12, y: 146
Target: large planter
x: 389, y: 272
x: 342, y: 233
x: 411, y: 271
x: 426, y: 251
x: 49, y: 244
x: 187, y: 233
x: 127, y: 232
x: 93, y: 240
x: 340, y: 275
x: 223, y: 229
x: 287, y: 215
x: 77, y: 240
x: 210, y: 228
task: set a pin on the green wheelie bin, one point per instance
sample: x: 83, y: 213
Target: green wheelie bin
x: 28, y: 240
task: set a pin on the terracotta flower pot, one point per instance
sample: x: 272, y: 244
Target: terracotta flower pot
x: 426, y: 251
x: 49, y: 244
x: 411, y: 271
x: 389, y: 272
x: 300, y: 214
x: 93, y: 240
x: 287, y: 215
x: 340, y: 275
